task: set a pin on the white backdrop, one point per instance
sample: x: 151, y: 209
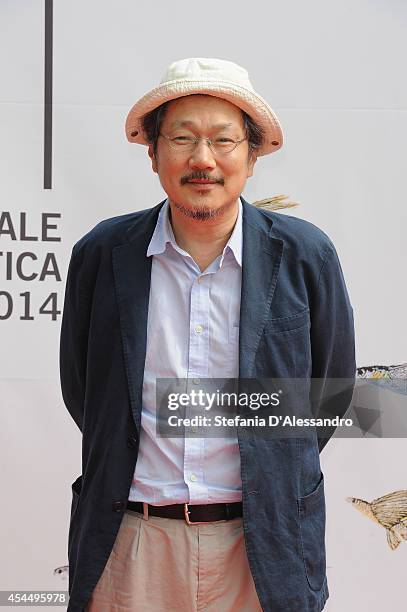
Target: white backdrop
x: 334, y: 74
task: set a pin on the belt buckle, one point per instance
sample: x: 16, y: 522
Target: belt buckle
x: 189, y: 522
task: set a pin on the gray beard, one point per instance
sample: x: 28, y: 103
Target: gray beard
x: 202, y: 213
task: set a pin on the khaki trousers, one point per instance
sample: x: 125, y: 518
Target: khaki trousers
x: 161, y: 564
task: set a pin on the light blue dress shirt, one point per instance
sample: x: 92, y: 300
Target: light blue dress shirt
x: 192, y: 332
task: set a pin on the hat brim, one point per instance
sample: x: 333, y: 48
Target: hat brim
x: 250, y: 102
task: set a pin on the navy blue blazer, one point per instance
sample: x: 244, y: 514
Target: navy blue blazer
x: 295, y: 321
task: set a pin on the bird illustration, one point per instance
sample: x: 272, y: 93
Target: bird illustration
x: 275, y: 203
x: 389, y: 511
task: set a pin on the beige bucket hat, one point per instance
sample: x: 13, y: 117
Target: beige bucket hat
x: 214, y: 77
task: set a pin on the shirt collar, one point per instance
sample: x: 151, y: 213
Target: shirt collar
x: 163, y: 234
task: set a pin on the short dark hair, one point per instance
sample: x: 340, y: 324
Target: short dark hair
x: 151, y: 123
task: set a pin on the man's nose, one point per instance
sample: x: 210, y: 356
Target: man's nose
x: 202, y: 156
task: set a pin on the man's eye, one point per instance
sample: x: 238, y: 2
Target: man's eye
x: 224, y: 140
x: 182, y: 139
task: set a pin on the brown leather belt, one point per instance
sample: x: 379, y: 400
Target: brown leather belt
x: 191, y: 513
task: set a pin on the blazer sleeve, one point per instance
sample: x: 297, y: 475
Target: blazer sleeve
x: 332, y: 346
x: 74, y: 336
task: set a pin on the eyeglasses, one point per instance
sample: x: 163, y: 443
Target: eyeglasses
x: 186, y: 144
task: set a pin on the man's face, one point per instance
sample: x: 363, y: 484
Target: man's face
x: 206, y: 116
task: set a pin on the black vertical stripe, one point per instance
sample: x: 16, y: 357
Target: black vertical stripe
x: 48, y: 96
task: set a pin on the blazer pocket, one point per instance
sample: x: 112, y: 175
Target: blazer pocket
x: 311, y: 509
x: 289, y: 323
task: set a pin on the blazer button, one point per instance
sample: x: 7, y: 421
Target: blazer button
x: 119, y: 506
x: 132, y: 441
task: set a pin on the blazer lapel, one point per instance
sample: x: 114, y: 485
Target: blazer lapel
x: 261, y: 259
x: 132, y: 278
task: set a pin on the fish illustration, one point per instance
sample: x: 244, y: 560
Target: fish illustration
x: 382, y: 371
x: 389, y: 511
x: 393, y: 377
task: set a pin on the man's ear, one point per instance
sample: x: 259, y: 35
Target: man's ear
x: 250, y: 164
x: 152, y: 157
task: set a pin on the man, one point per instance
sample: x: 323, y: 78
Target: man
x: 203, y: 285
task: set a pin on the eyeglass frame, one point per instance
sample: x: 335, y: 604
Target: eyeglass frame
x: 175, y: 147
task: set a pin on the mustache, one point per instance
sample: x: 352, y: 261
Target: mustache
x: 203, y: 176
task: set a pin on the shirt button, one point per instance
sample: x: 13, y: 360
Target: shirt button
x: 200, y: 278
x: 193, y: 477
x: 196, y: 381
x: 198, y: 329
